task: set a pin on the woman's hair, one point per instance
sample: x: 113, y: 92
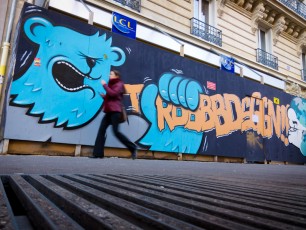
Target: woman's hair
x: 117, y: 73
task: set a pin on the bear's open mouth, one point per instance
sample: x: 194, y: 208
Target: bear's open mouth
x: 68, y: 77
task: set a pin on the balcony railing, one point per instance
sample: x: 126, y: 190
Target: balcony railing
x: 303, y: 71
x: 266, y: 59
x: 295, y: 5
x: 134, y: 4
x: 206, y: 32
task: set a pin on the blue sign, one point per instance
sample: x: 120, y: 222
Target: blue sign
x: 227, y: 63
x: 124, y: 25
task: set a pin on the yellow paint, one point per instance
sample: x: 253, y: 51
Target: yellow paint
x: 2, y: 70
x: 276, y: 100
x: 4, y: 57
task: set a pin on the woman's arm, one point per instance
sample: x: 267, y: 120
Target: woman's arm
x: 116, y: 89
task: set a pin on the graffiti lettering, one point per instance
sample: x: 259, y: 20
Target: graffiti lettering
x: 276, y: 119
x: 227, y: 114
x: 133, y: 91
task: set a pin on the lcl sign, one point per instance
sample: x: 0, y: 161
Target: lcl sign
x: 124, y: 25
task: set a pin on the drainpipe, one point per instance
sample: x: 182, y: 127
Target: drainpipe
x: 3, y: 63
x: 6, y: 45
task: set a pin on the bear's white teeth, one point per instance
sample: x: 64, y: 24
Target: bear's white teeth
x: 70, y: 89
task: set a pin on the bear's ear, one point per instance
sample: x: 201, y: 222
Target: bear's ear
x: 37, y: 28
x: 118, y: 56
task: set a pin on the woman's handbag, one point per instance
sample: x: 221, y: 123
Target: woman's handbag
x: 123, y: 115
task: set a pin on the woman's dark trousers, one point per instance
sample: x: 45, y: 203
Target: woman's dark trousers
x: 111, y: 118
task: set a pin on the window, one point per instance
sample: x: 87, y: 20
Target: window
x: 264, y: 51
x: 204, y: 11
x: 202, y: 24
x: 134, y: 4
x: 264, y: 40
x: 304, y: 66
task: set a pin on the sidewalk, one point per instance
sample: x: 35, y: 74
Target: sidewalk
x: 114, y: 193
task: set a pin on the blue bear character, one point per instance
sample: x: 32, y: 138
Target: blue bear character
x: 181, y: 92
x: 297, y: 122
x: 63, y: 82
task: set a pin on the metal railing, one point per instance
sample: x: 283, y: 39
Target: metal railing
x: 134, y: 4
x: 303, y: 73
x: 266, y: 58
x: 206, y: 31
x: 295, y: 5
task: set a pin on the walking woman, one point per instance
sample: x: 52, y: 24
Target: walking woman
x: 112, y: 108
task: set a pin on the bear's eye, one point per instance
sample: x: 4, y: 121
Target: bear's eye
x: 95, y: 60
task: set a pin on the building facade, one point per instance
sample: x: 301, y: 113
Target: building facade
x: 206, y: 80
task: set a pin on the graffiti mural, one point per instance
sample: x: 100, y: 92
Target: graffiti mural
x: 175, y: 104
x: 297, y: 122
x: 63, y: 82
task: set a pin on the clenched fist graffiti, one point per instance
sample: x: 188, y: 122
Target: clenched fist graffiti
x: 165, y: 106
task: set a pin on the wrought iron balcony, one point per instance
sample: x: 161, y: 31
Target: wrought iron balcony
x: 266, y: 59
x: 295, y: 5
x: 134, y: 4
x: 206, y: 32
x: 303, y: 71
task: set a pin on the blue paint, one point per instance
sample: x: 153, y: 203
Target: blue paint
x: 65, y: 87
x: 180, y: 139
